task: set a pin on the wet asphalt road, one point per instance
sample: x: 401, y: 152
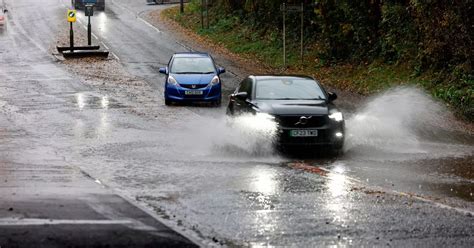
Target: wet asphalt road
x: 204, y: 178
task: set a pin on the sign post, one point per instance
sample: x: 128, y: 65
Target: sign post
x: 82, y: 51
x: 71, y: 18
x: 293, y: 8
x: 302, y: 34
x: 284, y: 34
x: 89, y: 11
x: 202, y: 14
x: 204, y: 9
x: 207, y: 13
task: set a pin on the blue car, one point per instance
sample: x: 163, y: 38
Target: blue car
x: 192, y: 77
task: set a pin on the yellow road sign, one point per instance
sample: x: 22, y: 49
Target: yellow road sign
x: 71, y: 15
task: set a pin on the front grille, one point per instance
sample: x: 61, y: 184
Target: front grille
x: 193, y: 86
x: 293, y: 121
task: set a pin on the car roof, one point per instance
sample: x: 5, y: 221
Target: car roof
x: 263, y: 77
x: 191, y: 54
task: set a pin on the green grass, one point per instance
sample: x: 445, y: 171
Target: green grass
x: 362, y: 78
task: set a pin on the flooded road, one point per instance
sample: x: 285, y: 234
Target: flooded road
x: 405, y: 179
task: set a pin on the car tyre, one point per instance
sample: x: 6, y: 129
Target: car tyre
x: 167, y: 102
x: 217, y: 103
x: 336, y: 151
x: 229, y: 112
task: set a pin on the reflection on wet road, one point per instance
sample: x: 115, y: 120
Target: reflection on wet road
x: 87, y: 100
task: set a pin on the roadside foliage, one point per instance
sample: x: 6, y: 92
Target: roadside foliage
x: 430, y: 37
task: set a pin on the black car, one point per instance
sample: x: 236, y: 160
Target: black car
x: 303, y: 110
x: 79, y: 4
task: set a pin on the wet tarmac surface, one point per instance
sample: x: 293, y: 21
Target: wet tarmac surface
x: 393, y: 186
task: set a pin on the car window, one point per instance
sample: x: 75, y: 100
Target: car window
x: 288, y: 89
x: 192, y: 65
x: 246, y: 86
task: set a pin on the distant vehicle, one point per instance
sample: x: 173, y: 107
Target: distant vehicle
x: 79, y: 4
x: 303, y: 111
x: 192, y: 77
x: 164, y: 1
x: 155, y: 1
x: 3, y: 18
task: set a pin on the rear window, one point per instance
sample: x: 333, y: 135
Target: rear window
x: 288, y: 89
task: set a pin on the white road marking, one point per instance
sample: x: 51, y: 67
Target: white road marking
x: 149, y: 24
x: 97, y: 38
x: 137, y: 15
x: 130, y: 223
x: 438, y: 204
x: 40, y: 222
x: 184, y: 46
x: 124, y: 8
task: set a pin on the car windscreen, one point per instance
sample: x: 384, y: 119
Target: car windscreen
x: 288, y: 89
x: 192, y: 65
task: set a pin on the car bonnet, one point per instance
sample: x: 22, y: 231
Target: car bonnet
x: 293, y: 107
x: 193, y: 78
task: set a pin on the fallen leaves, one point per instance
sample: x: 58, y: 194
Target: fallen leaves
x: 308, y: 168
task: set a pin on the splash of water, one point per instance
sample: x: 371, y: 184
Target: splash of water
x: 390, y: 121
x: 246, y: 135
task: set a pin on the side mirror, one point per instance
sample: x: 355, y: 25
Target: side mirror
x: 220, y: 70
x: 5, y: 10
x: 332, y: 96
x: 241, y: 96
x: 164, y: 70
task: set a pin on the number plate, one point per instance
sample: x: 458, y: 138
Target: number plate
x: 193, y: 92
x: 304, y: 133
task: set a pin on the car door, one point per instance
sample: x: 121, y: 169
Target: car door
x: 243, y: 105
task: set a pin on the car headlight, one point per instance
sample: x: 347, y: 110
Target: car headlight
x: 215, y: 80
x: 265, y: 116
x: 172, y: 81
x: 337, y: 116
